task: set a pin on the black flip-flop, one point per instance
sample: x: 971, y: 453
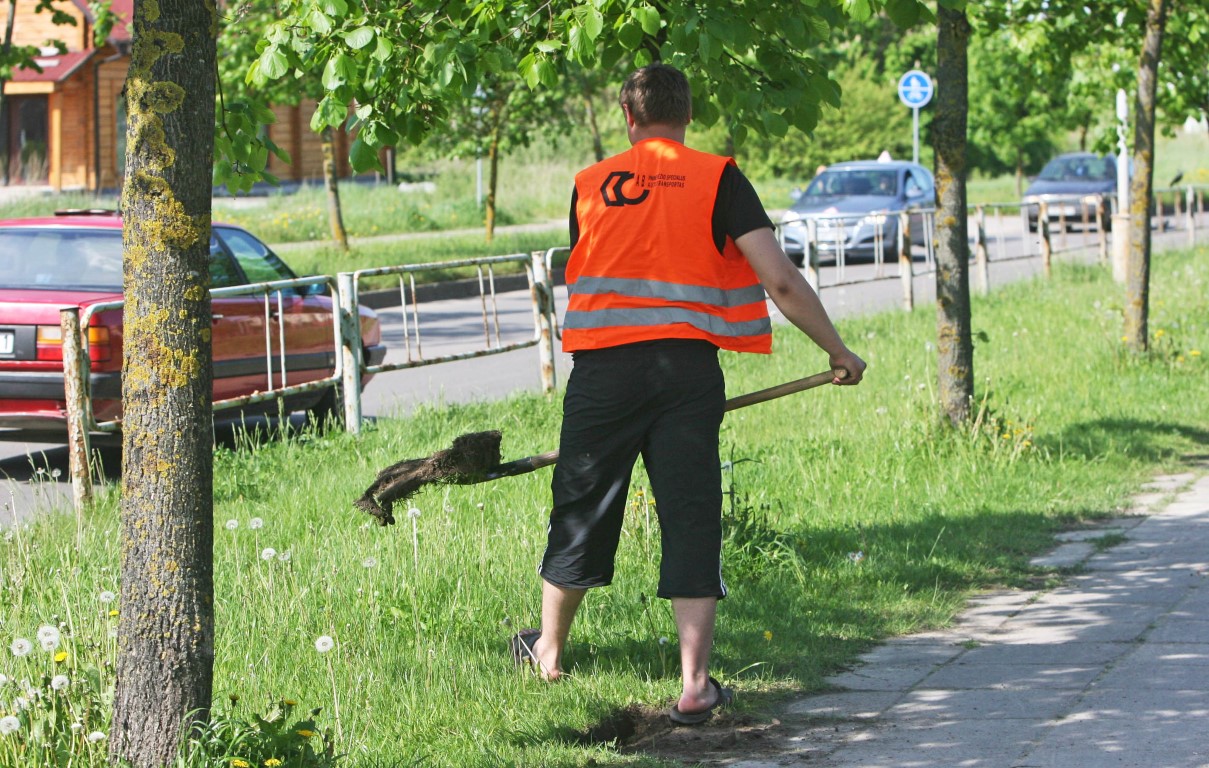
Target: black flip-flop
x: 724, y: 699
x: 521, y: 645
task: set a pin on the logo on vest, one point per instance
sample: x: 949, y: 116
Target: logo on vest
x: 612, y: 193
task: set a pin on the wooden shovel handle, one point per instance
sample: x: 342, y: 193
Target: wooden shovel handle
x: 530, y: 463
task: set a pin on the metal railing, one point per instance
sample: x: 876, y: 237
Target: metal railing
x: 541, y: 290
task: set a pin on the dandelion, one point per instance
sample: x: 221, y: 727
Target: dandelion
x: 77, y: 726
x: 256, y: 524
x: 324, y: 643
x: 289, y: 702
x: 304, y: 733
x: 1195, y: 352
x: 9, y: 724
x: 272, y: 762
x: 413, y: 513
x: 284, y: 555
x: 768, y: 635
x: 21, y: 647
x: 59, y: 682
x: 114, y: 613
x: 268, y: 553
x: 60, y: 657
x: 232, y: 524
x: 856, y: 556
x: 107, y: 597
x: 663, y: 641
x: 94, y: 737
x: 369, y: 562
x: 48, y: 637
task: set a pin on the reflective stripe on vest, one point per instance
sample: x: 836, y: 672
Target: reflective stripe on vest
x: 654, y: 289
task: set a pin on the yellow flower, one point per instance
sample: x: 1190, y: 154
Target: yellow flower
x: 272, y: 761
x: 1195, y: 353
x: 60, y: 657
x: 1180, y: 359
x: 237, y: 763
x: 1124, y: 338
x: 768, y: 634
x: 289, y: 702
x: 304, y: 733
x: 114, y: 613
x: 1160, y: 333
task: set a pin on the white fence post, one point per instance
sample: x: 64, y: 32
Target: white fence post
x: 348, y: 320
x: 904, y: 260
x: 812, y: 253
x: 542, y: 293
x: 980, y: 251
x: 75, y: 385
x: 1190, y: 218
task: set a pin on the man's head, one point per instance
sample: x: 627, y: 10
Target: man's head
x: 657, y: 95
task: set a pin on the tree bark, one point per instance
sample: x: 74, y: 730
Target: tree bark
x: 593, y: 127
x: 332, y: 184
x: 1137, y: 269
x: 954, y: 340
x: 166, y: 628
x: 493, y: 174
x: 7, y: 46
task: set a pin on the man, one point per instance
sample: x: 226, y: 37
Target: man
x: 672, y: 253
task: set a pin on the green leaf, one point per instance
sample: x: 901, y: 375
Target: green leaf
x: 630, y: 36
x: 860, y: 10
x: 363, y: 157
x: 583, y: 47
x: 335, y: 72
x: 319, y: 22
x: 329, y: 113
x: 648, y: 17
x: 775, y: 125
x: 360, y: 37
x: 273, y: 64
x: 590, y: 20
x: 904, y: 13
x: 529, y: 71
x: 336, y: 8
x: 383, y: 49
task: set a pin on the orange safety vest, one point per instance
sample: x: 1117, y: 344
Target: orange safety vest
x: 646, y: 266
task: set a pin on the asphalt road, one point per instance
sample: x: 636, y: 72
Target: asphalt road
x: 33, y: 476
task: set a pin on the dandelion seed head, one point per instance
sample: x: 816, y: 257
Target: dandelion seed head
x: 268, y: 553
x: 370, y: 562
x: 9, y: 724
x: 94, y: 737
x: 231, y: 524
x: 107, y: 597
x: 324, y: 643
x: 413, y: 513
x: 21, y: 647
x: 59, y: 682
x: 284, y: 555
x: 256, y: 523
x: 663, y: 641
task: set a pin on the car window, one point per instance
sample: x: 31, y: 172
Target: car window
x: 1079, y: 168
x: 851, y: 183
x: 912, y: 186
x: 223, y: 272
x: 87, y: 259
x: 259, y: 264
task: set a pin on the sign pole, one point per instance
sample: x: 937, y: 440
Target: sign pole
x: 915, y: 90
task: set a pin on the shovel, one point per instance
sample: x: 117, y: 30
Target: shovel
x: 475, y: 458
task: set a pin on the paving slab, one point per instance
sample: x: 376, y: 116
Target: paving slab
x: 1111, y: 668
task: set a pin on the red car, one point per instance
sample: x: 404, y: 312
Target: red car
x: 76, y: 259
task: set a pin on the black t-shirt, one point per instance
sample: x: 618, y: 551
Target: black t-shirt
x: 737, y: 209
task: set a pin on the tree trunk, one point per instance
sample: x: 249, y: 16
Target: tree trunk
x: 166, y: 629
x: 1137, y: 269
x: 332, y: 184
x: 593, y: 127
x: 1019, y: 173
x: 954, y: 341
x: 7, y: 46
x: 493, y: 174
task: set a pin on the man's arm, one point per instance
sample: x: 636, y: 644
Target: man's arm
x: 796, y: 300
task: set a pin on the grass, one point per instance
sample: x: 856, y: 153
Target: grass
x: 853, y: 515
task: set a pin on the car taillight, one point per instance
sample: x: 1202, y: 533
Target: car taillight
x: 50, y: 343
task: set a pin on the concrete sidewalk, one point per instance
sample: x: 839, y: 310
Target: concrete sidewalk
x: 1110, y: 669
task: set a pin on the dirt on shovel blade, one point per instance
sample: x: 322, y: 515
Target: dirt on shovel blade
x: 467, y: 461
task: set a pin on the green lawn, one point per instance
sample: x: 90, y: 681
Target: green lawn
x: 854, y: 515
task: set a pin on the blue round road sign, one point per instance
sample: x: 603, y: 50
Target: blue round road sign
x: 915, y: 89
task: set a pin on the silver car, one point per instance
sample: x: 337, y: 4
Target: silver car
x: 1071, y: 186
x: 854, y: 208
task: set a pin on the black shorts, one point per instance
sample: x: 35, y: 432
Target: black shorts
x: 662, y: 400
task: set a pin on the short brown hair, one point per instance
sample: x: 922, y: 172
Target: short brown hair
x: 658, y: 94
